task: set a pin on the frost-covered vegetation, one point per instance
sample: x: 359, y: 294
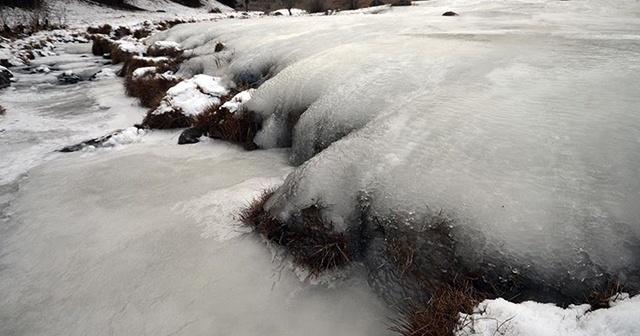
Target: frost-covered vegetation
x: 509, y: 134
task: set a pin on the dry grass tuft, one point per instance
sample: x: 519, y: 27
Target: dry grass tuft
x: 101, y: 45
x: 218, y: 123
x: 601, y: 297
x: 155, y: 51
x: 401, y: 3
x: 149, y: 89
x: 118, y: 55
x: 307, y: 238
x: 133, y: 63
x: 141, y: 33
x: 3, y: 111
x: 173, y: 119
x: 104, y: 29
x: 439, y: 316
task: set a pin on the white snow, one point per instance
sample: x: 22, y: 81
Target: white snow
x: 500, y: 317
x: 162, y: 45
x: 126, y: 136
x: 238, y: 100
x: 192, y: 96
x: 104, y: 74
x: 144, y: 71
x: 285, y: 12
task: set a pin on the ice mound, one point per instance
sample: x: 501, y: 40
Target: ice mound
x: 192, y: 96
x: 525, y: 141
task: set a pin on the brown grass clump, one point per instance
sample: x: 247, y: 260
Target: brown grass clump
x: 131, y: 64
x: 122, y: 31
x: 173, y: 119
x: 104, y: 29
x: 141, y: 33
x: 601, y: 297
x: 3, y: 111
x: 155, y: 51
x: 439, y: 316
x: 307, y: 238
x: 218, y: 123
x: 101, y: 45
x: 150, y: 90
x: 118, y: 55
x: 401, y: 3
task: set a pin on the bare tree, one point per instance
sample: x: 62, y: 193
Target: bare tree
x: 353, y: 4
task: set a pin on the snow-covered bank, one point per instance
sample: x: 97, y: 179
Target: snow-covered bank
x: 500, y: 317
x: 516, y: 121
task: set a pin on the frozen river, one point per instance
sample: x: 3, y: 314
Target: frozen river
x: 142, y: 239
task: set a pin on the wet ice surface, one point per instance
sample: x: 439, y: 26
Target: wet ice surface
x: 103, y: 244
x: 143, y: 239
x: 518, y: 120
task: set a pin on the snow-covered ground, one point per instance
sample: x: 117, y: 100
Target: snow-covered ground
x: 517, y: 119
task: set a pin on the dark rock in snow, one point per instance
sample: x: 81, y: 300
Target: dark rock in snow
x: 450, y: 14
x: 69, y: 77
x: 189, y: 136
x: 219, y: 47
x: 5, y: 77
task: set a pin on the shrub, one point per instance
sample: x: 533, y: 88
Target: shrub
x: 133, y: 63
x: 101, y: 45
x: 150, y: 90
x: 119, y: 55
x: 155, y: 51
x: 317, y: 6
x: 218, y: 123
x: 141, y: 33
x: 122, y: 31
x: 401, y: 3
x: 104, y: 29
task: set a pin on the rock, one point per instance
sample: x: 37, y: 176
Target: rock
x: 219, y: 47
x: 450, y: 14
x: 5, y: 77
x: 189, y: 136
x: 68, y: 77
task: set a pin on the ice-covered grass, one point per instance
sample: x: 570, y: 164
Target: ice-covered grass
x: 516, y: 120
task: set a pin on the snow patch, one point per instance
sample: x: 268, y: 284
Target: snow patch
x: 192, y: 96
x: 504, y: 318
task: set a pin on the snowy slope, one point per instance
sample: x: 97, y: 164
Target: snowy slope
x: 79, y: 13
